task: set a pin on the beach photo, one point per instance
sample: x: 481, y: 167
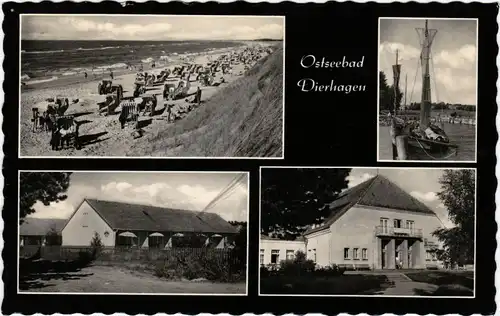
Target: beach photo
x: 427, y: 102
x: 388, y: 232
x: 141, y: 233
x: 166, y: 86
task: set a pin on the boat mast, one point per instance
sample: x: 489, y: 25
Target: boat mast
x: 406, y: 87
x: 396, y: 69
x: 425, y: 105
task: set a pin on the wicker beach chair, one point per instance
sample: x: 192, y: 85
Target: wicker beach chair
x: 67, y: 128
x: 129, y: 114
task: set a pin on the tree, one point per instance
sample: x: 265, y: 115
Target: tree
x: 240, y: 245
x: 292, y: 199
x: 458, y: 195
x: 386, y: 94
x: 46, y: 187
x: 53, y: 238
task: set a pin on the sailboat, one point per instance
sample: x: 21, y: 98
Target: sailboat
x: 419, y: 139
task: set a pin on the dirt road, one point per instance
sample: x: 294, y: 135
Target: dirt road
x: 102, y: 279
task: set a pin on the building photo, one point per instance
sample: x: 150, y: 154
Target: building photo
x: 133, y: 232
x: 362, y: 231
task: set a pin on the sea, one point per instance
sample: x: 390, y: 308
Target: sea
x: 462, y: 135
x: 48, y: 60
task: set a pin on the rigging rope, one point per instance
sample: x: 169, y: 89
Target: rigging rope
x: 434, y: 77
x: 231, y: 185
x: 432, y: 157
x: 414, y: 80
x: 225, y: 196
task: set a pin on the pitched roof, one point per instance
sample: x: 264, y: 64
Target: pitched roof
x: 265, y: 237
x: 126, y: 216
x: 377, y: 191
x: 40, y: 226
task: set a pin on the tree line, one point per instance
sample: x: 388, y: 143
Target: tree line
x: 387, y: 95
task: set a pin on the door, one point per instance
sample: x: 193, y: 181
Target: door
x: 383, y: 224
x: 384, y: 255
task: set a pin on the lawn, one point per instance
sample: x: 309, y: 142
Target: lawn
x: 450, y: 283
x: 343, y: 284
x: 104, y: 279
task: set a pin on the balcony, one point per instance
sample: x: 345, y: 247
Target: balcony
x: 388, y: 231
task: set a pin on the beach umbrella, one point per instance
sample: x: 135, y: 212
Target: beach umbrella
x: 128, y: 234
x: 216, y: 235
x: 156, y: 235
x: 138, y: 100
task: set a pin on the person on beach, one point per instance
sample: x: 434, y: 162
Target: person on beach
x: 85, y: 73
x: 111, y: 74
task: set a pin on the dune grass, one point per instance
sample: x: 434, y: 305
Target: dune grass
x: 243, y: 119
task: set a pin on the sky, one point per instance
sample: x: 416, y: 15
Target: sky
x: 423, y: 184
x: 191, y: 191
x: 454, y: 52
x: 137, y: 27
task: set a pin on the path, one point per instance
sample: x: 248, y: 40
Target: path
x: 101, y: 279
x: 404, y: 286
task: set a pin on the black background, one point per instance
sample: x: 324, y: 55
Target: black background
x: 322, y: 129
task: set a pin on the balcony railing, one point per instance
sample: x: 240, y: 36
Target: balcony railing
x: 397, y: 231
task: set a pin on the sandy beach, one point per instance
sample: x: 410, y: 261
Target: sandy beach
x: 102, y: 135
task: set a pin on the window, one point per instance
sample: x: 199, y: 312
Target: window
x: 383, y: 224
x: 355, y: 254
x: 289, y: 255
x: 346, y: 253
x: 314, y: 255
x: 410, y: 225
x: 397, y: 223
x: 434, y: 256
x: 428, y: 256
x: 364, y: 254
x: 85, y: 219
x: 261, y: 259
x: 275, y: 256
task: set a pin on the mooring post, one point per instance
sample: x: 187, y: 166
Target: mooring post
x: 401, y: 146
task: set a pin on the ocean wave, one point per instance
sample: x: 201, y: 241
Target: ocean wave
x: 41, y: 80
x: 70, y: 50
x: 25, y: 77
x: 148, y: 60
x: 113, y: 66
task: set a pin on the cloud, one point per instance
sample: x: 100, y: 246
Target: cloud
x: 465, y: 57
x: 452, y: 71
x: 111, y: 29
x: 62, y: 209
x: 151, y: 28
x: 238, y: 32
x: 234, y: 206
x: 355, y: 180
x: 425, y: 197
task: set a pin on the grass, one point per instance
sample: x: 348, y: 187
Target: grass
x: 465, y: 278
x: 344, y: 284
x: 244, y: 119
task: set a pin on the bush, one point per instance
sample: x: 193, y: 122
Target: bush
x: 298, y: 266
x: 332, y: 270
x: 207, y: 265
x: 96, y: 245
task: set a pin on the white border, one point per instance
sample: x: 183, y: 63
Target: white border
x: 144, y: 172
x: 155, y: 157
x: 378, y: 90
x: 379, y: 296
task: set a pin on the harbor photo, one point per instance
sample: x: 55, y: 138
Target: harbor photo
x: 167, y: 86
x: 427, y: 101
x: 368, y: 232
x: 142, y: 233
